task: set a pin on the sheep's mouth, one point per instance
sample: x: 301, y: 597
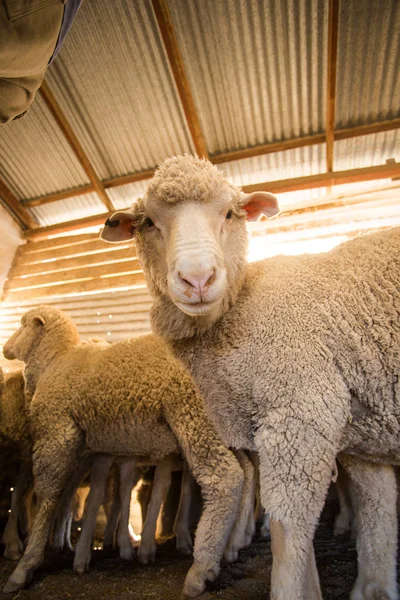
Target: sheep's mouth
x: 197, y: 308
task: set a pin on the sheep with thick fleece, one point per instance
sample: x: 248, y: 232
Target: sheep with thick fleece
x: 15, y: 436
x: 132, y: 398
x: 296, y: 357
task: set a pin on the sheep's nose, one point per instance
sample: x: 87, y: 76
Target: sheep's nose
x: 199, y: 281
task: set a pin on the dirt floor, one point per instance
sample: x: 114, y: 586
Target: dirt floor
x: 248, y: 579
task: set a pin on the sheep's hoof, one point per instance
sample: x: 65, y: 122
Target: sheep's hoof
x: 126, y: 552
x: 231, y: 555
x: 195, y: 582
x: 248, y: 539
x: 147, y: 555
x: 184, y: 543
x: 372, y: 591
x: 16, y: 582
x: 81, y: 566
x: 14, y: 551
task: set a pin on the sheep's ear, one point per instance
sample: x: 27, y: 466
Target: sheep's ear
x: 119, y: 227
x: 259, y: 203
x: 39, y: 320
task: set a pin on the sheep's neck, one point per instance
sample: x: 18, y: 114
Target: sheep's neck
x: 40, y: 361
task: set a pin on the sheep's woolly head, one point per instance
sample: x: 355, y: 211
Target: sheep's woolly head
x: 42, y: 326
x: 184, y: 178
x: 191, y: 237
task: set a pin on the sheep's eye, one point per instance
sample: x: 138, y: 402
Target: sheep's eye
x: 229, y: 214
x: 148, y: 222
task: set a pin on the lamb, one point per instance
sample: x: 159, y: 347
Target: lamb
x: 296, y: 358
x: 14, y: 435
x: 132, y: 398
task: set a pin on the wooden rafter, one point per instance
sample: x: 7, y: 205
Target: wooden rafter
x: 63, y: 195
x: 368, y: 129
x: 333, y: 31
x: 301, y: 142
x: 75, y: 144
x: 43, y: 232
x: 15, y: 208
x: 165, y: 25
x: 309, y: 182
x: 130, y: 178
x: 390, y: 170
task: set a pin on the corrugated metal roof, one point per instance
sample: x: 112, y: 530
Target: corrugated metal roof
x: 36, y: 159
x: 298, y: 162
x: 368, y: 82
x: 125, y: 195
x: 367, y: 151
x: 114, y: 83
x: 257, y: 69
x: 258, y: 73
x: 67, y: 210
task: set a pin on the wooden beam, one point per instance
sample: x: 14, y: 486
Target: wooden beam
x: 15, y: 208
x: 326, y: 179
x: 333, y: 30
x: 165, y: 25
x: 63, y: 195
x: 77, y: 287
x: 43, y: 232
x: 301, y: 142
x: 388, y: 171
x: 369, y: 129
x: 129, y: 178
x: 75, y: 144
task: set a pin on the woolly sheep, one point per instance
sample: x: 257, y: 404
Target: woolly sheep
x: 14, y: 435
x: 127, y: 399
x: 277, y: 348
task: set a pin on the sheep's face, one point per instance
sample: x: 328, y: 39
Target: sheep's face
x: 191, y: 234
x: 25, y: 338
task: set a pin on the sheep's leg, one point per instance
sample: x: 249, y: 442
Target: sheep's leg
x: 25, y: 498
x: 251, y: 521
x: 144, y: 496
x: 374, y: 491
x: 296, y: 466
x: 220, y: 477
x: 265, y: 530
x: 112, y: 516
x: 13, y: 545
x: 162, y: 482
x: 83, y: 551
x: 181, y: 526
x: 344, y: 520
x: 60, y: 533
x: 54, y: 461
x: 129, y: 476
x: 240, y: 536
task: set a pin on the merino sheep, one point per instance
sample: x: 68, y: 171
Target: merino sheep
x: 129, y: 399
x: 280, y: 349
x: 14, y: 435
